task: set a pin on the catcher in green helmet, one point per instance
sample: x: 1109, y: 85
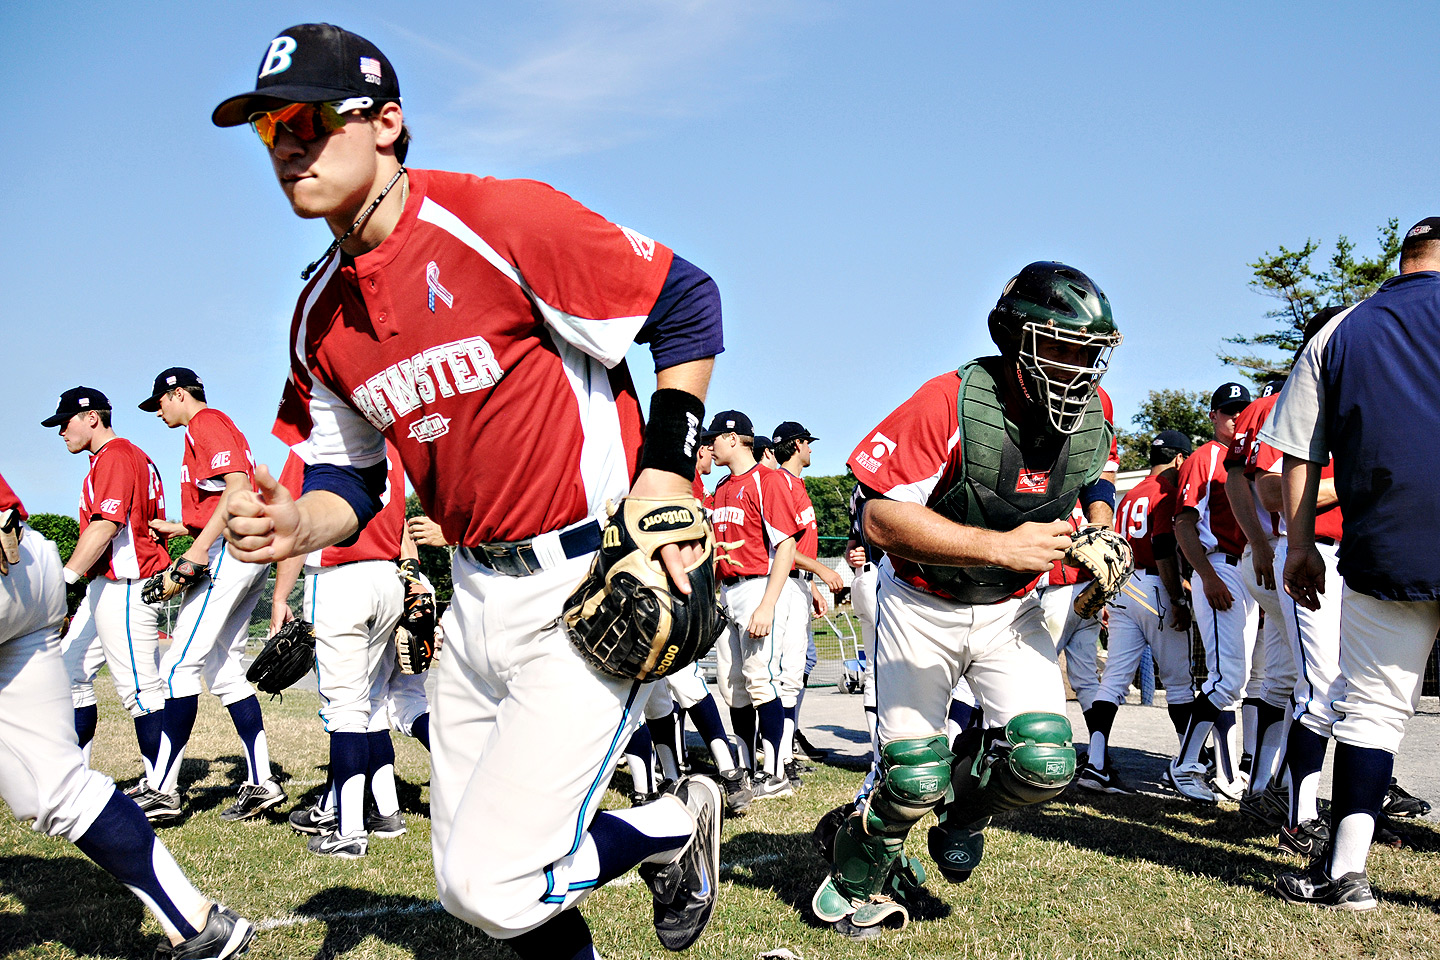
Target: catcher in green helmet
x: 969, y: 487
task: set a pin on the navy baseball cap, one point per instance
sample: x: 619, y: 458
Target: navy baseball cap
x: 168, y: 380
x: 761, y: 445
x: 1229, y: 395
x: 76, y: 400
x: 1427, y: 229
x: 728, y: 421
x: 790, y: 430
x: 1171, y: 440
x: 310, y: 63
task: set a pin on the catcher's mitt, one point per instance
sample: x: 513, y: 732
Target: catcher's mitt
x: 1108, y: 557
x: 10, y: 533
x: 170, y: 581
x: 415, y: 634
x: 287, y: 656
x: 624, y: 617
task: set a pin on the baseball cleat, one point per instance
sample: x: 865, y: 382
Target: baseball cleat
x: 1189, y: 781
x: 738, y: 792
x: 1400, y: 803
x: 1230, y: 789
x: 313, y: 820
x: 157, y: 807
x: 768, y: 787
x: 808, y: 748
x: 1307, y: 838
x: 254, y: 799
x: 792, y: 773
x: 391, y: 826
x: 335, y: 845
x: 684, y: 890
x: 1348, y: 892
x: 1101, y: 780
x: 226, y: 934
x: 1264, y: 808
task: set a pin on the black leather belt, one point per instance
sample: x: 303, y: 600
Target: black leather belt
x: 1231, y: 560
x: 519, y: 559
x: 802, y: 575
x: 1328, y: 541
x: 1150, y: 571
x: 731, y: 581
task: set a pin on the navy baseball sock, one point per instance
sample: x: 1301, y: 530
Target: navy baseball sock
x: 1250, y: 719
x: 86, y: 719
x: 1100, y: 718
x: 349, y: 763
x: 123, y: 843
x: 420, y: 729
x: 787, y: 734
x: 1227, y: 765
x: 147, y: 733
x: 707, y: 723
x: 250, y: 725
x: 179, y: 714
x: 1269, y: 745
x: 1304, y: 756
x: 662, y: 735
x: 1202, y: 718
x: 1362, y: 777
x: 381, y: 772
x: 624, y: 838
x: 742, y: 721
x: 640, y: 757
x: 564, y: 936
x: 772, y: 729
x: 1179, y: 717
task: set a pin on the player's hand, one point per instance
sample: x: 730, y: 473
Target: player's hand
x: 1305, y: 577
x: 856, y: 557
x: 168, y: 528
x: 1216, y: 593
x: 761, y: 621
x: 262, y: 527
x: 425, y: 532
x: 279, y: 616
x: 675, y: 557
x: 1179, y: 616
x: 832, y: 579
x: 1034, y: 547
x: 1263, y: 557
x: 817, y: 599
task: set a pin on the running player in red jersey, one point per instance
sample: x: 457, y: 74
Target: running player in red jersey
x: 481, y: 326
x: 122, y: 493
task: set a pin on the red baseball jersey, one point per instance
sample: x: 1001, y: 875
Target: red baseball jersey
x: 485, y: 338
x: 1107, y: 406
x: 808, y: 542
x: 913, y: 456
x: 124, y: 487
x: 380, y: 540
x: 1202, y: 489
x: 1329, y: 522
x: 9, y: 500
x: 1247, y: 429
x: 214, y: 446
x: 753, y: 514
x: 1148, y: 509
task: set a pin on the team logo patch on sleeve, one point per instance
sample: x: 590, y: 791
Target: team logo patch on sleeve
x: 643, y: 245
x: 110, y: 506
x: 1032, y: 481
x: 221, y: 459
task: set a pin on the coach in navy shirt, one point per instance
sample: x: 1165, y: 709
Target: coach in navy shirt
x: 1365, y: 390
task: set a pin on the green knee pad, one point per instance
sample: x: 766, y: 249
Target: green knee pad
x: 1030, y: 761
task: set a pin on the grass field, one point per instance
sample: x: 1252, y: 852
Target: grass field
x: 1127, y: 877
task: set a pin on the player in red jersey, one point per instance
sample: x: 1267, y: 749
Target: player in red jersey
x: 1211, y: 540
x: 756, y: 527
x: 480, y: 326
x: 214, y: 621
x: 43, y: 775
x: 353, y: 598
x: 1146, y: 519
x: 122, y: 493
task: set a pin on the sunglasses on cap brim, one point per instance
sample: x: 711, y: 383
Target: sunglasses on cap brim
x: 307, y: 121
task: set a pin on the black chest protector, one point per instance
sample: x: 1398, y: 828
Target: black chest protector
x: 1006, y: 480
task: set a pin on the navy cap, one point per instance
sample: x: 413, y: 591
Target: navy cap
x: 762, y: 444
x: 790, y: 430
x: 1427, y: 229
x: 1230, y: 395
x: 168, y: 380
x: 1171, y: 440
x: 727, y: 421
x: 310, y: 63
x: 76, y: 400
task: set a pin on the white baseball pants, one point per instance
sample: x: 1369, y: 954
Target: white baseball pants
x: 211, y: 631
x: 1132, y: 627
x: 1228, y: 635
x: 1074, y: 636
x: 1384, y: 645
x: 354, y: 608
x: 116, y: 624
x: 1277, y: 682
x: 749, y: 668
x: 1315, y: 644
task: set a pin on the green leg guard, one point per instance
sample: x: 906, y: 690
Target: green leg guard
x: 914, y: 776
x: 1028, y: 762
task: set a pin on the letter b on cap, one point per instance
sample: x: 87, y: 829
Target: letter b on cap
x: 277, y: 58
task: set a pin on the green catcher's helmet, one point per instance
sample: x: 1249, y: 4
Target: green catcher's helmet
x: 1056, y: 323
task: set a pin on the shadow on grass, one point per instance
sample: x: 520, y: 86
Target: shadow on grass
x: 417, y: 925
x: 106, y: 922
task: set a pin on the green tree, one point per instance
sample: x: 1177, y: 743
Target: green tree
x: 1187, y: 411
x: 831, y: 497
x: 434, y: 561
x: 1290, y: 277
x: 61, y: 530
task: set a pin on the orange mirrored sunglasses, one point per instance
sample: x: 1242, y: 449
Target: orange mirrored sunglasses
x: 307, y: 121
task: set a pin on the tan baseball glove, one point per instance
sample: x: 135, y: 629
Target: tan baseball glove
x: 1108, y: 557
x: 170, y: 581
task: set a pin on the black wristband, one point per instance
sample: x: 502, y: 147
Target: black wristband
x: 672, y: 436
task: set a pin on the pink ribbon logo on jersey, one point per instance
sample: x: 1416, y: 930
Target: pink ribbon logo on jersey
x: 432, y: 280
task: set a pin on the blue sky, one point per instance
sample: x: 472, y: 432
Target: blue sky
x: 860, y: 178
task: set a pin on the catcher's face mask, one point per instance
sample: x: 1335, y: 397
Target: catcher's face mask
x: 307, y: 121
